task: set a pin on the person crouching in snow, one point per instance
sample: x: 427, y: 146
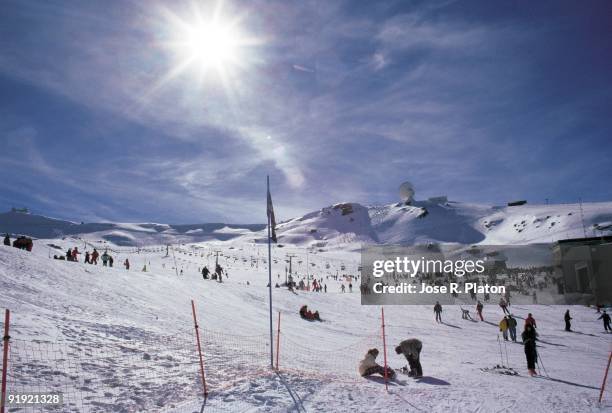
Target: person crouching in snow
x: 411, y: 349
x: 368, y: 366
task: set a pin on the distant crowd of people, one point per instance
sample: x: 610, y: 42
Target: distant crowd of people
x: 91, y: 258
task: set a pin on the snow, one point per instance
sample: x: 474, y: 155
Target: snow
x: 135, y: 329
x: 450, y: 222
x: 121, y: 341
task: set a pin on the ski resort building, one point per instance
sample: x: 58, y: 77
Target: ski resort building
x: 584, y: 267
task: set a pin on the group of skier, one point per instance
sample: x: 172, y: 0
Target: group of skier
x: 72, y: 254
x: 508, y: 324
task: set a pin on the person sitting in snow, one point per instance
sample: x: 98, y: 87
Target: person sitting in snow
x: 306, y: 314
x: 368, y: 365
x: 7, y: 240
x: 411, y: 349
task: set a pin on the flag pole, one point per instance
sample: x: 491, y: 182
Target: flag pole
x: 270, y: 278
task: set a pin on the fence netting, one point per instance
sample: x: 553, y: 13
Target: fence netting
x: 149, y: 372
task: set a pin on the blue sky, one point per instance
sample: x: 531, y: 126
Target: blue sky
x: 337, y: 101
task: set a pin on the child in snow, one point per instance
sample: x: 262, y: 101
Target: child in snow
x: 368, y: 366
x: 411, y: 349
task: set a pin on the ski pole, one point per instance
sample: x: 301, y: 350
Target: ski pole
x: 506, y: 348
x: 501, y: 357
x: 543, y: 367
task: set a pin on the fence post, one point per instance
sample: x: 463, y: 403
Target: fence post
x: 603, y: 385
x: 197, y: 333
x: 5, y: 345
x: 382, y: 309
x: 278, y: 339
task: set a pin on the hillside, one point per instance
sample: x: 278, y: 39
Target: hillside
x: 349, y: 225
x: 448, y: 222
x: 122, y: 341
x: 125, y: 234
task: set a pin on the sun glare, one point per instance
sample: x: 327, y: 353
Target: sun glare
x: 207, y: 43
x: 212, y: 44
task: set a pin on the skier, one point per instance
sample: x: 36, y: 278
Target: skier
x: 325, y: 287
x: 479, y: 308
x: 205, y: 272
x: 568, y: 324
x: 87, y: 257
x: 438, y: 311
x: 350, y: 287
x: 606, y: 321
x: 126, y: 264
x: 465, y: 314
x: 512, y: 327
x: 369, y: 366
x: 7, y: 240
x: 343, y: 288
x: 503, y: 305
x: 105, y: 259
x: 110, y: 261
x: 529, y: 343
x: 69, y: 254
x: 75, y: 254
x: 218, y: 272
x: 503, y: 327
x: 94, y: 257
x: 411, y: 349
x: 530, y: 320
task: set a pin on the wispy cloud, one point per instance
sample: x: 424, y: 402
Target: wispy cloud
x: 337, y: 101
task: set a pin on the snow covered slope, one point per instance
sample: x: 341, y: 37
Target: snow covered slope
x: 122, y: 341
x: 349, y: 225
x: 126, y: 234
x: 455, y: 222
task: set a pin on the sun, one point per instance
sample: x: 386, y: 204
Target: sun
x: 212, y: 44
x: 207, y: 43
